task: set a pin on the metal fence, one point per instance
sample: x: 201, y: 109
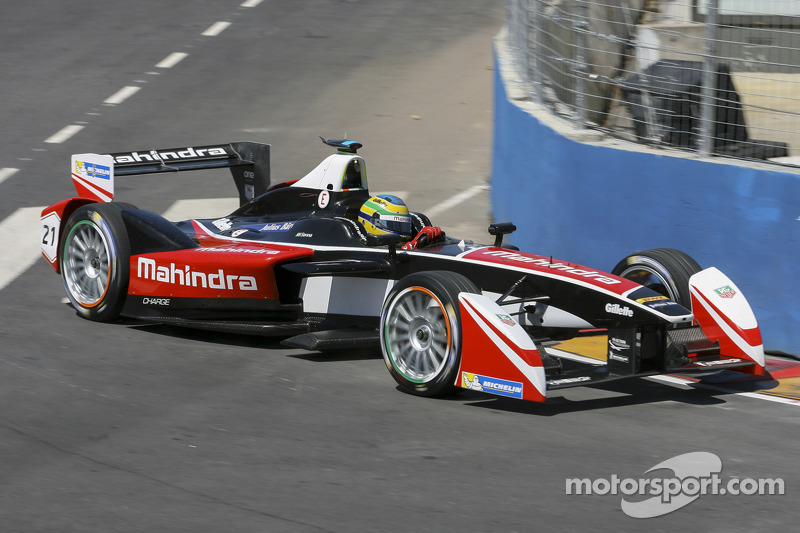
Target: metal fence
x: 716, y: 77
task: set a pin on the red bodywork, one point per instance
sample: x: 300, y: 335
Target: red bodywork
x: 227, y: 271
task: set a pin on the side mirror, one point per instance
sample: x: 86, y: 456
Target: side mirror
x: 390, y: 239
x: 499, y: 229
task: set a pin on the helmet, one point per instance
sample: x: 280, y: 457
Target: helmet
x: 386, y: 214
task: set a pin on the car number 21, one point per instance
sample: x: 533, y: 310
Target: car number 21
x: 51, y: 223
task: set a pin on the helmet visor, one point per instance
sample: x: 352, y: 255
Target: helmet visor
x: 394, y: 223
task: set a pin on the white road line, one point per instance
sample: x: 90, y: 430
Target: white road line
x: 19, y: 240
x: 20, y: 232
x: 455, y: 200
x: 171, y: 60
x: 250, y: 3
x: 201, y: 208
x: 63, y: 134
x: 7, y: 173
x: 121, y: 95
x: 689, y: 383
x: 216, y: 28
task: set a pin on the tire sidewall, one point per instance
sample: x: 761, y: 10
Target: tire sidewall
x: 674, y: 267
x: 445, y: 287
x: 107, y: 220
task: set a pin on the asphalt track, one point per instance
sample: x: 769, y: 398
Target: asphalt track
x: 128, y: 427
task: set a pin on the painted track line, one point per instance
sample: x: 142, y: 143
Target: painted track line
x: 675, y: 380
x: 20, y: 232
x: 121, y: 95
x: 6, y: 173
x: 200, y: 208
x: 216, y: 28
x: 455, y: 200
x: 171, y: 60
x: 19, y: 238
x: 64, y: 134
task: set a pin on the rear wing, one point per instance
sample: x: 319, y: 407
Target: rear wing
x: 249, y: 163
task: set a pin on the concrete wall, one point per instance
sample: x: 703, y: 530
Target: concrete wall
x: 596, y: 202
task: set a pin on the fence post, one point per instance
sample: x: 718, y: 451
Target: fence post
x: 538, y: 31
x: 708, y: 83
x: 579, y: 68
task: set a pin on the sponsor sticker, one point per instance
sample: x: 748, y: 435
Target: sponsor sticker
x: 147, y: 268
x: 651, y: 299
x: 501, y: 387
x: 223, y: 224
x: 616, y: 309
x: 618, y: 344
x: 170, y: 155
x: 562, y: 381
x: 621, y: 358
x: 549, y: 264
x: 237, y: 250
x: 92, y: 170
x: 155, y: 301
x: 507, y: 320
x: 725, y: 292
x: 277, y: 226
x: 720, y: 362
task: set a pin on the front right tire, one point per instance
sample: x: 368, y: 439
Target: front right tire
x: 420, y: 332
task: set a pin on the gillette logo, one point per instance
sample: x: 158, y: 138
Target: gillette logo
x: 616, y: 309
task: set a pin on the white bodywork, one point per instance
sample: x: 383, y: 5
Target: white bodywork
x: 330, y: 174
x: 725, y: 316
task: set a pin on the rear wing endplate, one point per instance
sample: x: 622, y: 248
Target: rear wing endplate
x: 249, y: 163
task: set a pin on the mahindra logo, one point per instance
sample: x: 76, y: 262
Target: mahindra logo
x: 148, y: 269
x: 593, y: 274
x: 171, y: 155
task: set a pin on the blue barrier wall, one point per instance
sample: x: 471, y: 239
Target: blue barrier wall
x: 596, y: 204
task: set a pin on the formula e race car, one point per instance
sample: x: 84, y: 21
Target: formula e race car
x: 295, y: 261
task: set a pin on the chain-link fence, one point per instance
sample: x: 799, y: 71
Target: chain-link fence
x: 715, y: 77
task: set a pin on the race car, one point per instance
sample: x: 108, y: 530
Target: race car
x: 325, y: 264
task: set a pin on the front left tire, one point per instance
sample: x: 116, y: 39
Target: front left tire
x: 664, y: 270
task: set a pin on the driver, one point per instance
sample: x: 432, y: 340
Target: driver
x: 387, y: 214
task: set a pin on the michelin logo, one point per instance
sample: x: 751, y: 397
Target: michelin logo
x: 92, y: 170
x: 502, y: 387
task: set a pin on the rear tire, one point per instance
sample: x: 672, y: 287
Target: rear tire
x: 421, y: 332
x: 95, y: 260
x: 664, y: 270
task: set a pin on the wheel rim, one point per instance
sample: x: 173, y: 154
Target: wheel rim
x: 417, y: 334
x: 653, y: 279
x: 87, y: 264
